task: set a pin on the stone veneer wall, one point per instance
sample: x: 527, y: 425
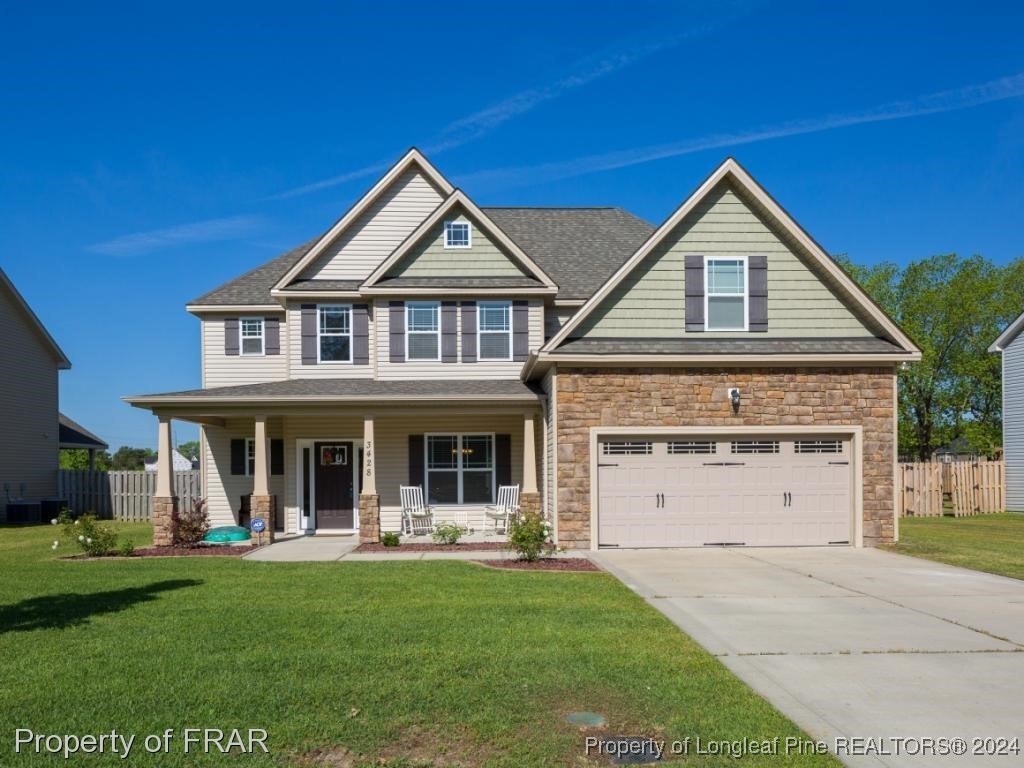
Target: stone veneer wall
x: 663, y: 397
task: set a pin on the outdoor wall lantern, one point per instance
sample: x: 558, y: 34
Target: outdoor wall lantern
x: 734, y: 398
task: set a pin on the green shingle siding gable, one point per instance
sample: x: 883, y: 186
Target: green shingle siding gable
x: 650, y: 301
x: 430, y: 258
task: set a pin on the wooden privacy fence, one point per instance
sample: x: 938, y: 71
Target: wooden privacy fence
x: 974, y: 487
x: 121, y: 495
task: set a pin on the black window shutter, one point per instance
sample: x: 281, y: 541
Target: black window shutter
x: 272, y: 335
x: 230, y: 335
x: 503, y: 459
x: 520, y: 330
x: 757, y: 269
x: 416, y: 459
x: 396, y: 331
x: 449, y: 317
x: 309, y: 334
x: 238, y: 456
x: 277, y: 456
x: 469, y: 331
x: 694, y: 293
x: 360, y: 334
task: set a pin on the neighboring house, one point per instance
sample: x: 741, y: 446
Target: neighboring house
x: 1011, y: 345
x: 73, y: 436
x: 715, y: 380
x: 180, y: 463
x: 29, y: 431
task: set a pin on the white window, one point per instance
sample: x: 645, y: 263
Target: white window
x: 335, y: 333
x: 755, y: 446
x: 818, y: 446
x: 250, y: 331
x: 684, y: 447
x: 250, y: 456
x: 494, y: 330
x: 460, y: 469
x: 725, y: 294
x: 457, y: 234
x: 422, y: 330
x: 627, y: 448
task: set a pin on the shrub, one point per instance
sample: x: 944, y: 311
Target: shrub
x: 87, y: 533
x: 127, y: 549
x: 448, y: 533
x: 530, y: 536
x: 188, y: 528
x: 389, y: 539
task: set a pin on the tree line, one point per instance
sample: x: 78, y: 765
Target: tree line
x: 125, y: 458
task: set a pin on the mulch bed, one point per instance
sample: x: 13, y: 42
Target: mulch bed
x: 572, y: 564
x: 477, y: 546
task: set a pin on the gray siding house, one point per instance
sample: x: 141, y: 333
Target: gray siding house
x: 1011, y: 345
x: 30, y: 438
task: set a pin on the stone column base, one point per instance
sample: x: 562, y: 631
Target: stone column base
x: 529, y: 503
x: 369, y: 519
x: 165, y: 510
x: 265, y: 507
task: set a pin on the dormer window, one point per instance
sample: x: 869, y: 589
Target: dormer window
x: 457, y: 234
x: 726, y: 294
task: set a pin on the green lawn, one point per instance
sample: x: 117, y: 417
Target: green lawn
x: 405, y: 661
x: 993, y: 543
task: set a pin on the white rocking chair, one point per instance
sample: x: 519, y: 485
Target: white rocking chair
x: 499, y: 515
x: 417, y: 518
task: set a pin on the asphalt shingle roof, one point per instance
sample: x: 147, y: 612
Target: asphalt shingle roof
x: 359, y: 389
x: 579, y: 248
x: 717, y: 346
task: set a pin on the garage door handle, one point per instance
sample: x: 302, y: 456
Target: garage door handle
x: 724, y: 463
x: 607, y: 465
x: 841, y: 463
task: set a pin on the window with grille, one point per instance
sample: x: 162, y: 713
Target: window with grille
x: 755, y: 446
x: 676, y: 447
x: 423, y: 330
x: 456, y: 234
x: 818, y: 446
x: 250, y: 331
x: 494, y: 330
x: 627, y: 448
x: 335, y: 333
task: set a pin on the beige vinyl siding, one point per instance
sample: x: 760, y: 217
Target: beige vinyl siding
x: 549, y: 384
x: 223, y: 490
x: 28, y: 407
x: 485, y: 369
x: 650, y: 300
x: 296, y: 370
x: 221, y: 370
x: 555, y: 318
x: 378, y: 231
x: 430, y: 258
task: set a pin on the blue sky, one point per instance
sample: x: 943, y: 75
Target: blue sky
x: 151, y: 152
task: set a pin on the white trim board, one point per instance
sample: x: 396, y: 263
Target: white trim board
x: 737, y: 174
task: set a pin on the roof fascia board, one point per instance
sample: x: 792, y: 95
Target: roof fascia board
x: 732, y: 169
x: 458, y: 197
x: 1007, y: 336
x: 205, y: 309
x: 410, y: 158
x: 443, y: 291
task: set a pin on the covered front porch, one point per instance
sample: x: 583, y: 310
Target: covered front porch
x: 333, y: 463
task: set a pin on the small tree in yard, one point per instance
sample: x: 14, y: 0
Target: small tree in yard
x: 189, y: 527
x: 530, y: 536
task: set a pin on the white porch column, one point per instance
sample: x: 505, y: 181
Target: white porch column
x: 529, y: 455
x: 369, y: 484
x: 261, y: 474
x: 164, y: 459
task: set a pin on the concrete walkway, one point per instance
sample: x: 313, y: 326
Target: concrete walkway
x: 308, y: 549
x: 852, y: 643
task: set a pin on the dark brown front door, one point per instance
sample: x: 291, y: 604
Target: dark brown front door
x: 334, y: 478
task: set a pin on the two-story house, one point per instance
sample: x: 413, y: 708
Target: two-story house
x: 714, y: 380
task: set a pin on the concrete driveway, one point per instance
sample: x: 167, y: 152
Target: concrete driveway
x: 853, y: 643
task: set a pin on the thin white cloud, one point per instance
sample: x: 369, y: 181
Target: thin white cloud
x: 478, y: 124
x: 944, y: 101
x: 209, y: 231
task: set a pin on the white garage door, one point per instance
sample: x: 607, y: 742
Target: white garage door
x: 704, y: 491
